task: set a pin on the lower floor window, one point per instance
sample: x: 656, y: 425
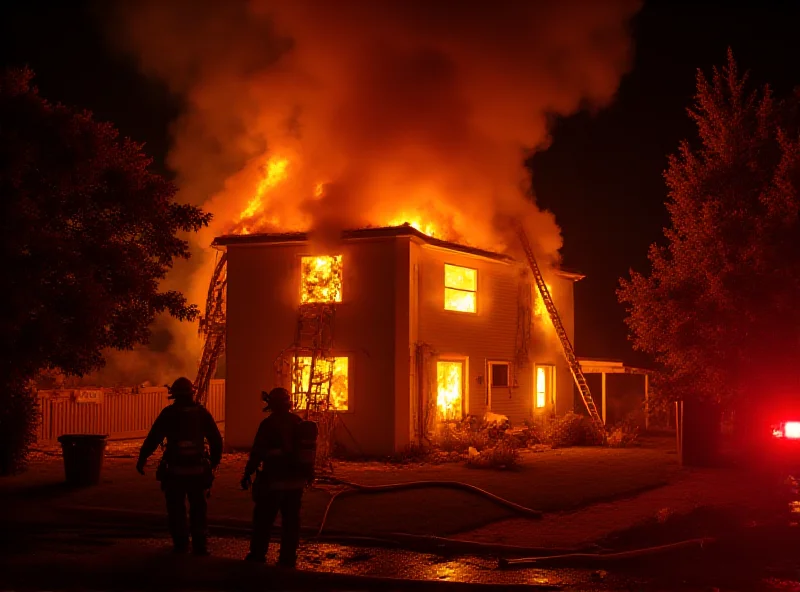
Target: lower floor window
x: 329, y: 387
x: 450, y: 389
x: 544, y: 385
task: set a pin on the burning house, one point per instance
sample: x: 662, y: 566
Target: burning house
x: 321, y: 116
x: 404, y: 332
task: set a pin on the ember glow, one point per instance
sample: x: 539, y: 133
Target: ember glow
x: 321, y: 279
x: 449, y: 380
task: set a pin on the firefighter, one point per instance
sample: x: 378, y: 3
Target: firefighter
x: 280, y: 479
x: 185, y: 470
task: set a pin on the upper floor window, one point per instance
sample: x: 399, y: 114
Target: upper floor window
x: 321, y: 279
x: 460, y: 288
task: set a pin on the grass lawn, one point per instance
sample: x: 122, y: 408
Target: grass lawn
x: 551, y: 481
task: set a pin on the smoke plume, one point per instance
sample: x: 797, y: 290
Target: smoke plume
x: 315, y: 114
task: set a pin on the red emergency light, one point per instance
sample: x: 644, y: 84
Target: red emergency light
x: 789, y: 430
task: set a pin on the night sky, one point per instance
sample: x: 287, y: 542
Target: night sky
x: 602, y: 175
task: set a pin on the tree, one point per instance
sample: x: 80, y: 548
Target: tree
x: 719, y: 310
x: 87, y: 233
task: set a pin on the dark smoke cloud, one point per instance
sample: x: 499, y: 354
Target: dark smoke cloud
x: 418, y: 110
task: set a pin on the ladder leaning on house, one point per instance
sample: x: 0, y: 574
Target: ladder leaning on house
x: 212, y: 329
x: 569, y: 351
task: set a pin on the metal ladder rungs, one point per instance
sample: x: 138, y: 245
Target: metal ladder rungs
x: 569, y: 352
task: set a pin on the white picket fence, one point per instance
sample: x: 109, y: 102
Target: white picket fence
x: 118, y: 413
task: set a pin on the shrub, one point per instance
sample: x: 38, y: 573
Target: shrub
x: 458, y: 437
x: 503, y: 455
x: 625, y: 434
x: 19, y: 416
x: 571, y: 429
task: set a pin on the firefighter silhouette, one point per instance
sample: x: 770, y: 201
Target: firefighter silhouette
x: 186, y: 471
x: 283, y: 458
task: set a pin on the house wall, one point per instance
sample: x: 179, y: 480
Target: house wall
x: 546, y: 347
x: 263, y: 298
x: 393, y: 299
x: 490, y: 334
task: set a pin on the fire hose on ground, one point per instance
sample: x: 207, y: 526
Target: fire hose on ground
x: 351, y: 488
x: 568, y: 557
x: 596, y: 558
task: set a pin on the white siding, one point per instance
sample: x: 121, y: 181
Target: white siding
x: 487, y: 335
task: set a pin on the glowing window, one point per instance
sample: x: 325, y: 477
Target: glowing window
x: 544, y: 386
x: 460, y: 288
x: 321, y: 279
x: 329, y: 389
x: 449, y: 382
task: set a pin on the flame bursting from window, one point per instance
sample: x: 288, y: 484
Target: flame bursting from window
x: 332, y: 379
x: 449, y: 380
x: 321, y: 279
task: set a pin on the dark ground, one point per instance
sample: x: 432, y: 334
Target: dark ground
x: 753, y: 515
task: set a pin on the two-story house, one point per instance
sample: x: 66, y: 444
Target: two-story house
x: 425, y: 331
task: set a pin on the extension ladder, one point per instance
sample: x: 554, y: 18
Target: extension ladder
x: 569, y: 351
x: 212, y: 329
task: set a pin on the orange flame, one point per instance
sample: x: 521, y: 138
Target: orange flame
x: 322, y: 279
x: 261, y: 209
x: 449, y: 378
x: 274, y: 173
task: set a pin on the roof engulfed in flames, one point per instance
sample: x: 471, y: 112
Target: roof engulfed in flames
x: 260, y: 213
x: 315, y: 115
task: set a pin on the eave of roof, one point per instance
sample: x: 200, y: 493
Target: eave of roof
x: 224, y: 241
x: 360, y: 233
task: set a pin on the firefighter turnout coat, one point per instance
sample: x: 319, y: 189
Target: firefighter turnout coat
x: 186, y: 426
x: 275, y: 453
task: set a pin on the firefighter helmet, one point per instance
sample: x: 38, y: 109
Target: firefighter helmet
x: 277, y: 399
x: 181, y: 389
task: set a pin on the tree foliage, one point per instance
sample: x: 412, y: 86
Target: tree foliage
x: 87, y: 233
x: 719, y: 309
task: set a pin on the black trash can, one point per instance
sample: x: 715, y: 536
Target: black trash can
x: 83, y: 458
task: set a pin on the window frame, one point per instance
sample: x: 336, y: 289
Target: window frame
x: 492, y: 364
x: 446, y: 288
x: 301, y: 278
x: 464, y: 361
x: 350, y: 388
x: 550, y: 386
